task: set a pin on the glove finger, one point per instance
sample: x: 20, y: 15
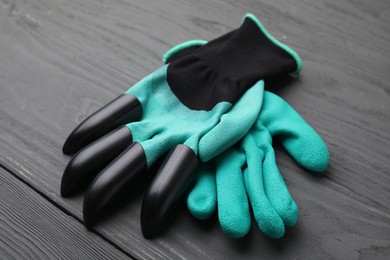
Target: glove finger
x: 233, y: 125
x: 122, y: 110
x: 233, y: 207
x: 113, y: 180
x: 171, y: 180
x: 297, y: 136
x: 202, y: 200
x: 266, y: 216
x: 277, y: 191
x: 89, y: 161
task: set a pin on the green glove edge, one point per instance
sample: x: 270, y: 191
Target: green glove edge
x: 181, y: 46
x: 276, y: 42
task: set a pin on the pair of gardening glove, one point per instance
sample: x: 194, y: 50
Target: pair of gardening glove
x: 247, y: 174
x: 207, y: 103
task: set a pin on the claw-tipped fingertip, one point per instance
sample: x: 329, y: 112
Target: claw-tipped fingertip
x: 91, y: 209
x: 113, y: 181
x: 92, y: 159
x: 172, y: 179
x: 120, y: 111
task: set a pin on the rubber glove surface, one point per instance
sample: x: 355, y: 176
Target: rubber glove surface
x: 202, y: 103
x: 247, y: 173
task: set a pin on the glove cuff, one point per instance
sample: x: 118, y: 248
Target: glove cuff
x: 249, y: 54
x: 182, y: 49
x: 276, y: 42
x: 223, y: 69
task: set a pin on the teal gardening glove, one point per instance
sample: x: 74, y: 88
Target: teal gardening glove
x: 200, y: 105
x: 248, y: 171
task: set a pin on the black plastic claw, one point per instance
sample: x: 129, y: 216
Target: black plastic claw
x: 172, y: 179
x: 114, y: 180
x: 88, y: 162
x: 122, y: 110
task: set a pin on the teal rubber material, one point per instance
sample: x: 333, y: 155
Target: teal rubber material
x: 203, y: 200
x: 166, y: 122
x: 247, y: 173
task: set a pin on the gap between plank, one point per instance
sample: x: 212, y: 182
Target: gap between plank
x: 64, y: 210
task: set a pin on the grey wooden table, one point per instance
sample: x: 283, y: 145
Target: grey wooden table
x: 60, y: 60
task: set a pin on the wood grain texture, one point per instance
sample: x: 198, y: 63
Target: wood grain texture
x: 61, y: 60
x: 32, y: 228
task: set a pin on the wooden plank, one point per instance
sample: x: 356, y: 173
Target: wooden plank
x: 33, y: 228
x: 61, y: 60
